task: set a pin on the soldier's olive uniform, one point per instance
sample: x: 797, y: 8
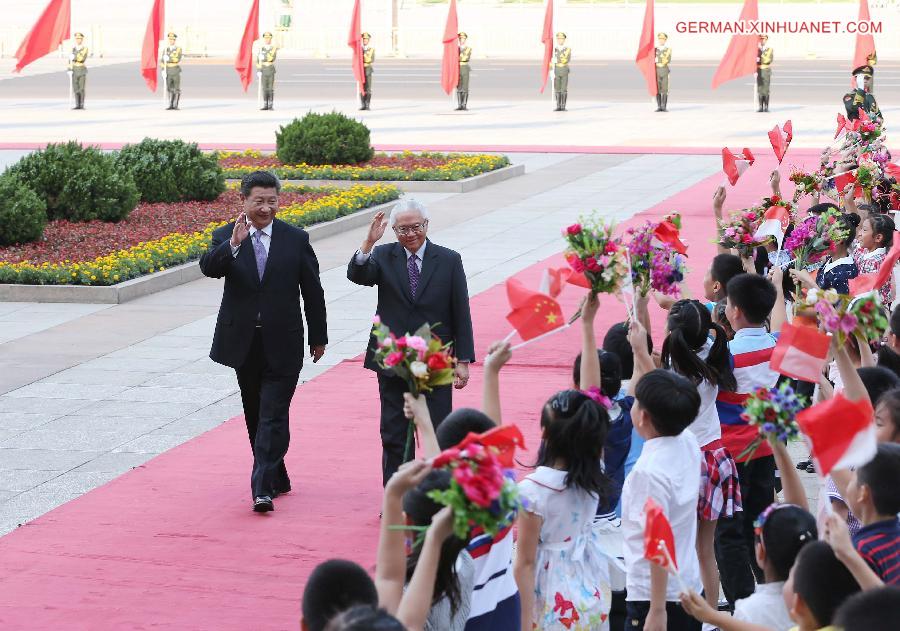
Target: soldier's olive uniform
x: 861, y: 99
x: 266, y: 64
x: 561, y: 58
x: 663, y: 59
x: 172, y: 63
x: 763, y: 76
x: 462, y: 87
x: 368, y: 60
x: 77, y: 65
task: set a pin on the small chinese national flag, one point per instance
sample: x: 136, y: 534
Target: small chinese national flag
x: 553, y: 280
x: 533, y: 313
x: 841, y: 433
x: 800, y: 352
x: 876, y: 280
x: 502, y: 440
x: 843, y: 180
x: 659, y: 542
x: 667, y: 233
x: 735, y: 165
x: 781, y: 137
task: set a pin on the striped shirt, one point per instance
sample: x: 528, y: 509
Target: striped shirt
x: 495, y: 597
x: 751, y: 349
x: 879, y: 545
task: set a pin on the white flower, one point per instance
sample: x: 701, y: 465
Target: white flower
x: 419, y: 369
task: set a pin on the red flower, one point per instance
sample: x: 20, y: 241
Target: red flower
x: 481, y: 487
x: 446, y: 457
x: 611, y: 247
x: 575, y: 262
x: 867, y: 307
x: 775, y: 199
x: 574, y: 229
x: 592, y: 265
x: 393, y: 359
x: 438, y: 361
x: 770, y: 414
x: 762, y: 393
x: 401, y: 342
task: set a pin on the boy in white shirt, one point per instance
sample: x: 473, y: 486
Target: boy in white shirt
x: 668, y: 470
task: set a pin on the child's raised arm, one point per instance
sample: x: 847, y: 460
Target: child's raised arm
x: 779, y: 311
x: 590, y: 361
x: 718, y: 203
x: 498, y: 354
x: 838, y: 537
x: 643, y: 363
x: 696, y: 606
x: 416, y: 602
x: 794, y: 493
x: 416, y: 410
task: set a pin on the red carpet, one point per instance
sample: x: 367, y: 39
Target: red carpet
x: 173, y: 544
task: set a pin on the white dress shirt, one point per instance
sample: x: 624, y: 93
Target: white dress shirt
x: 265, y: 239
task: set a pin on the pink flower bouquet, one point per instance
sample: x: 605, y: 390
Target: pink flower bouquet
x: 593, y: 251
x: 844, y: 316
x: 737, y: 232
x: 653, y: 265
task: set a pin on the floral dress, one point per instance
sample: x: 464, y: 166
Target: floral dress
x: 868, y: 263
x: 575, y: 557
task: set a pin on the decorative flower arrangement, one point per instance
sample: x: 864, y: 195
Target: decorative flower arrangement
x: 814, y: 238
x: 593, y: 251
x: 805, y: 183
x: 773, y: 412
x: 737, y: 232
x: 422, y: 360
x: 867, y: 173
x: 776, y: 200
x: 653, y: 266
x: 844, y: 316
x: 483, y: 492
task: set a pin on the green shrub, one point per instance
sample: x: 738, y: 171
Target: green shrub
x: 23, y: 214
x: 78, y: 183
x: 323, y: 139
x: 172, y: 171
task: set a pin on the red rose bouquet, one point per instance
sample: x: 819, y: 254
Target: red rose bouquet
x: 483, y: 491
x: 422, y: 360
x: 593, y: 251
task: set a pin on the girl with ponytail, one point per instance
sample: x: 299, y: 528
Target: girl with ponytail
x: 697, y: 348
x: 562, y: 566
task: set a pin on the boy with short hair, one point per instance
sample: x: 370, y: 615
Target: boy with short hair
x: 817, y: 585
x: 668, y: 471
x: 750, y: 300
x: 335, y: 586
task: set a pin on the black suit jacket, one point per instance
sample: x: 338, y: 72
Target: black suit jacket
x: 442, y: 297
x: 292, y: 270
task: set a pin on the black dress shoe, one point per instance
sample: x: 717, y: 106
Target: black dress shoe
x: 263, y: 504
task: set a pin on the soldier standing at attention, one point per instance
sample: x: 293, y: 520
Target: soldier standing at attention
x: 462, y: 88
x: 172, y: 63
x: 663, y: 58
x: 764, y: 58
x: 368, y: 60
x: 77, y: 70
x: 861, y: 96
x: 562, y: 54
x: 265, y: 64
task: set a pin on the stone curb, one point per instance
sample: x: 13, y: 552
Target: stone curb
x: 172, y: 277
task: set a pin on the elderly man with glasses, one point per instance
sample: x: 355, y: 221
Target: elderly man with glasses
x: 419, y: 283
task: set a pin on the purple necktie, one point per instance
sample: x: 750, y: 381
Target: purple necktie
x: 413, y: 274
x: 260, y: 251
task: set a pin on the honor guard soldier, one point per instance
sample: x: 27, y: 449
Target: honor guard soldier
x: 861, y: 96
x: 172, y: 65
x: 764, y: 58
x: 77, y: 70
x: 462, y: 87
x: 663, y: 58
x: 368, y: 60
x: 562, y: 55
x: 265, y: 65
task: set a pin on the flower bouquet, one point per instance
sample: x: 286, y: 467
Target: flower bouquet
x: 815, y: 238
x: 776, y: 200
x: 653, y: 265
x: 737, y: 233
x: 483, y: 491
x: 805, y: 183
x: 773, y: 412
x: 844, y: 316
x: 593, y: 251
x: 422, y: 360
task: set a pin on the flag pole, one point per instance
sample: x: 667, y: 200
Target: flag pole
x: 540, y: 337
x: 672, y: 568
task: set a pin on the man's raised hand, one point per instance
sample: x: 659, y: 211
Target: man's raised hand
x: 241, y: 231
x: 376, y: 231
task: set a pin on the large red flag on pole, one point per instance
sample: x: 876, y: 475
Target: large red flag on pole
x: 355, y: 43
x: 153, y: 35
x: 646, y: 53
x: 547, y: 40
x: 450, y: 62
x: 50, y: 30
x: 243, y: 63
x: 865, y: 44
x: 740, y: 58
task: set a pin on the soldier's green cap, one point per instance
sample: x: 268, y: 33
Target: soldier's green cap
x: 462, y: 34
x: 267, y: 34
x: 171, y: 34
x: 79, y: 34
x: 866, y: 69
x: 662, y: 35
x: 561, y: 34
x: 366, y: 35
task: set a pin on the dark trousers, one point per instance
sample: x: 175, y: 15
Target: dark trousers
x: 735, y: 543
x: 677, y: 619
x: 394, y: 424
x: 267, y: 399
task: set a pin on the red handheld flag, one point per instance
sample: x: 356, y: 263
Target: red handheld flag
x: 842, y: 180
x: 800, y: 352
x: 775, y: 223
x: 735, y: 165
x: 547, y: 41
x: 841, y: 433
x: 152, y: 36
x: 865, y: 44
x: 553, y: 280
x: 51, y: 29
x: 666, y: 233
x: 533, y: 313
x: 740, y: 57
x: 354, y: 41
x: 450, y: 60
x: 646, y: 53
x: 243, y: 63
x: 841, y: 123
x: 503, y: 440
x: 876, y: 280
x: 658, y: 537
x: 781, y: 139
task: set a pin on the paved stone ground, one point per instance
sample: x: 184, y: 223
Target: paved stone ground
x: 90, y: 391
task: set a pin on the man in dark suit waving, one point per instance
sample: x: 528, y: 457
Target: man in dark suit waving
x: 267, y: 265
x: 418, y: 282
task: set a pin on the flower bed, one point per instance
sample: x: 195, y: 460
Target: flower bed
x: 408, y: 166
x: 157, y: 236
